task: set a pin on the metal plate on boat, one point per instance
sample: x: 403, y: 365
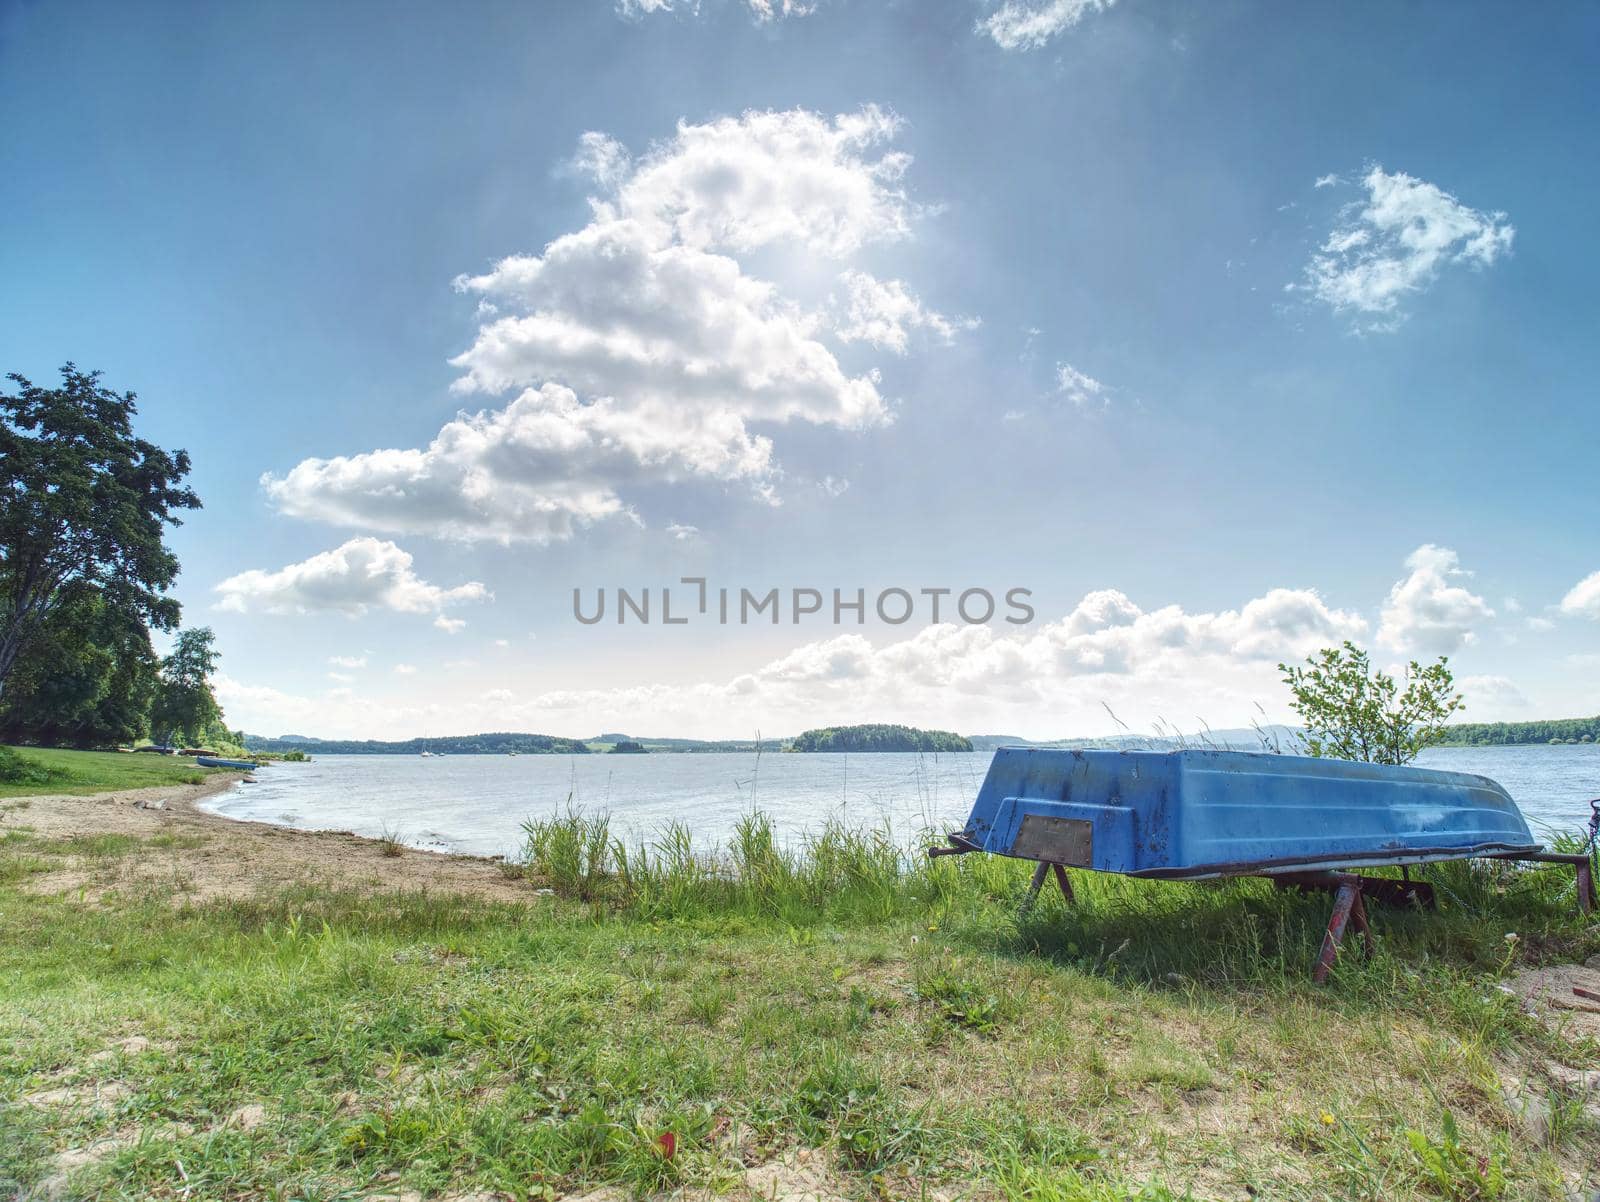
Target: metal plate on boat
x: 1055, y: 840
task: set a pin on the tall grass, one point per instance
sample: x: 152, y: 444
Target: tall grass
x: 1217, y: 933
x: 840, y: 870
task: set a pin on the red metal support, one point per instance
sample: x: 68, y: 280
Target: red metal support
x: 1066, y: 885
x: 1344, y: 904
x: 1586, y: 894
x: 1041, y: 870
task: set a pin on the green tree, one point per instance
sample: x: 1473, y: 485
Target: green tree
x: 185, y: 708
x: 83, y: 503
x: 86, y: 679
x: 1352, y: 712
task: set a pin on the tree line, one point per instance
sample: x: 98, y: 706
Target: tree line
x: 485, y: 744
x: 1497, y: 734
x: 879, y: 737
x: 85, y: 505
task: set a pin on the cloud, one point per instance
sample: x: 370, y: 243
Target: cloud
x: 1583, y: 601
x: 601, y: 158
x: 536, y: 471
x: 348, y: 661
x: 883, y: 312
x: 1016, y: 25
x: 1427, y: 612
x: 361, y: 575
x: 1395, y: 243
x: 1147, y: 664
x: 450, y: 625
x: 643, y: 8
x: 741, y: 183
x: 405, y: 670
x: 762, y: 10
x: 1107, y: 648
x: 1488, y: 695
x: 1080, y: 389
x: 640, y: 349
x: 683, y: 532
x: 1327, y: 181
x: 768, y: 10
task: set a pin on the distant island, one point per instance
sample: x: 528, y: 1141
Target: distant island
x: 874, y: 737
x: 1500, y: 734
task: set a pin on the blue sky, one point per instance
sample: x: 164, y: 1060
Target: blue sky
x: 1228, y: 330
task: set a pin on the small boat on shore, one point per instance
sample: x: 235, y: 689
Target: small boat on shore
x: 211, y: 761
x: 1303, y: 823
x: 1191, y: 814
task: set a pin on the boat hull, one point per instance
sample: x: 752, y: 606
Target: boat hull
x: 211, y: 761
x: 1193, y: 814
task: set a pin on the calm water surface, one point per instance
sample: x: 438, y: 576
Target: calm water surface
x: 478, y: 803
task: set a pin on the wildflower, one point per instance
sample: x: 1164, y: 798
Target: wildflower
x: 1327, y: 1119
x: 1511, y: 936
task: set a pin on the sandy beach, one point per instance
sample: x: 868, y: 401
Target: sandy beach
x: 208, y: 856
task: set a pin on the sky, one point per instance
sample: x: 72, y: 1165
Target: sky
x: 1226, y: 332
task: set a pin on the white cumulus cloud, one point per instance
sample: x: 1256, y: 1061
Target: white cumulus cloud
x: 1489, y: 696
x: 1147, y: 664
x: 884, y: 312
x: 1030, y: 24
x: 361, y: 575
x: 1082, y: 390
x: 1430, y: 612
x: 1394, y: 244
x: 762, y: 10
x: 1584, y: 598
x: 640, y: 348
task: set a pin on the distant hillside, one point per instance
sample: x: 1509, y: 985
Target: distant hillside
x: 1553, y: 730
x: 871, y: 738
x: 488, y: 744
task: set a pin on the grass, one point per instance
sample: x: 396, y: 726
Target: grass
x: 391, y: 842
x: 1155, y: 1042
x: 83, y: 772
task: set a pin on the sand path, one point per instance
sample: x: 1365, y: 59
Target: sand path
x: 209, y: 856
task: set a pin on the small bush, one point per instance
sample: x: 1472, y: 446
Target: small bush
x: 18, y: 769
x: 391, y: 841
x: 1455, y: 1170
x: 961, y: 998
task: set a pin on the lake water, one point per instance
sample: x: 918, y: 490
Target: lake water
x: 477, y: 803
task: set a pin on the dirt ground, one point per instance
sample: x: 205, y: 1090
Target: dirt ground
x: 214, y: 857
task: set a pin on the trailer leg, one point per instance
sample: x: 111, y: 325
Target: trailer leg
x: 1066, y: 885
x: 1033, y: 889
x: 1344, y: 904
x: 1040, y: 871
x: 1358, y: 915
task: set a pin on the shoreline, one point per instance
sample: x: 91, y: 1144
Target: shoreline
x: 213, y: 856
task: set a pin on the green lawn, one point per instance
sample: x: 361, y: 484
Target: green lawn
x: 1156, y: 1041
x: 98, y: 772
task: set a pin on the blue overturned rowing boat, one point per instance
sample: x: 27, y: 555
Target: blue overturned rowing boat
x: 1190, y: 815
x: 212, y: 761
